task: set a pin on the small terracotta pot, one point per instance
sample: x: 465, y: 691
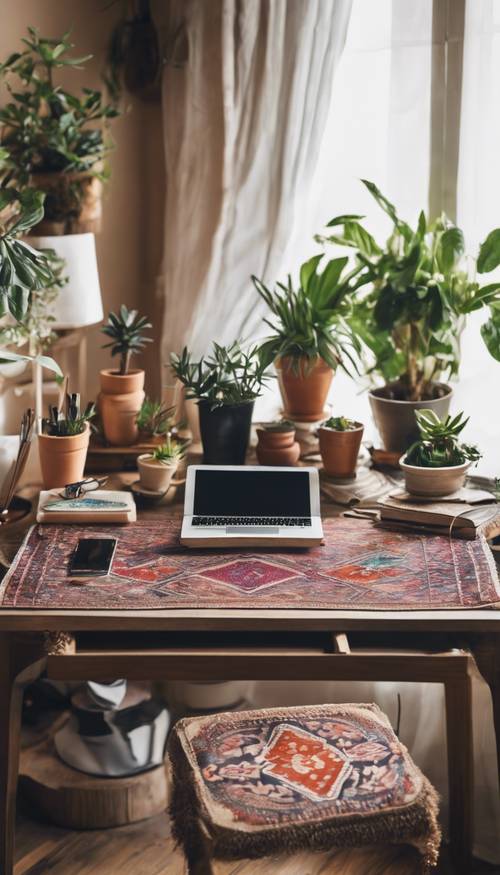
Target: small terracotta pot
x: 277, y: 447
x: 113, y: 383
x: 304, y: 387
x: 62, y: 459
x: 339, y: 450
x: 119, y: 403
x: 430, y: 482
x: 155, y: 476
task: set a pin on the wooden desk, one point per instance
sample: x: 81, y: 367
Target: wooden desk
x: 248, y: 645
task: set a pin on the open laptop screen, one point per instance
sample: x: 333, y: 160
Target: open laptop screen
x: 252, y: 493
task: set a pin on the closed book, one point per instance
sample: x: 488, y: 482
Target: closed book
x: 455, y: 513
x: 101, y: 506
x: 489, y: 530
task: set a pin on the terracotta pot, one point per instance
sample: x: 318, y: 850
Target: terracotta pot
x: 62, y: 459
x: 119, y: 403
x: 395, y: 420
x: 113, y: 383
x: 339, y: 450
x: 304, y: 387
x: 155, y: 475
x: 277, y: 447
x: 430, y: 482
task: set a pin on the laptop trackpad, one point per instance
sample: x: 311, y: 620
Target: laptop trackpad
x: 252, y: 530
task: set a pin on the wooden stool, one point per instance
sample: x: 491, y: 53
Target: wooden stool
x: 259, y: 783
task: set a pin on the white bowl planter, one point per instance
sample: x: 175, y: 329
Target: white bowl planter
x: 155, y: 476
x: 433, y: 482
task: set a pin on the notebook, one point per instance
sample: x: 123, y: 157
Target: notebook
x: 466, y: 513
x: 101, y: 506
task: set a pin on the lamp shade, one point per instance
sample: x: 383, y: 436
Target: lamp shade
x: 79, y: 300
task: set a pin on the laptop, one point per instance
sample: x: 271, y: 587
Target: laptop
x: 251, y: 506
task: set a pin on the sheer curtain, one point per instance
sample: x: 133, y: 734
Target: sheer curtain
x: 243, y: 123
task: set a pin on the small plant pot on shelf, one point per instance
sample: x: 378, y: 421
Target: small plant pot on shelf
x: 433, y: 482
x: 304, y: 387
x: 62, y: 459
x: 339, y: 450
x: 155, y: 476
x: 225, y: 432
x: 395, y: 419
x: 120, y: 400
x: 277, y: 447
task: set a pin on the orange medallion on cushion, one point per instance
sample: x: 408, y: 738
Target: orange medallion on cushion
x: 308, y: 764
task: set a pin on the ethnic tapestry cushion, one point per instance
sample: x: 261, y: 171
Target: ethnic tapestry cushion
x: 254, y: 783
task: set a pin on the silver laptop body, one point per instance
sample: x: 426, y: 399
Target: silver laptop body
x: 251, y: 505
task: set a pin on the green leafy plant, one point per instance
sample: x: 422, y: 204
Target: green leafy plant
x: 311, y: 320
x: 169, y: 452
x: 24, y: 271
x: 228, y: 376
x: 418, y: 297
x: 340, y: 423
x: 45, y: 127
x: 154, y: 418
x: 71, y: 422
x: 439, y: 446
x: 126, y: 333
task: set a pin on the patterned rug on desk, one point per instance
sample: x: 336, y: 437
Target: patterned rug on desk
x: 359, y: 567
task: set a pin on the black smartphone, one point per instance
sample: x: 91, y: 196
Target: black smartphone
x: 92, y: 556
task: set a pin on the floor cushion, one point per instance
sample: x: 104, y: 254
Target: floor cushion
x: 255, y: 783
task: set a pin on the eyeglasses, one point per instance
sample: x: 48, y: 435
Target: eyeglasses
x: 76, y: 490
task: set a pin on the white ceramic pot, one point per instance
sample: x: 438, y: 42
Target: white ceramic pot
x: 155, y: 476
x: 433, y: 482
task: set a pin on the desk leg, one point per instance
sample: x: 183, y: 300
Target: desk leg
x: 21, y: 662
x: 458, y: 693
x: 487, y: 655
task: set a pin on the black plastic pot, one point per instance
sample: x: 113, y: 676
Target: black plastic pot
x: 225, y: 432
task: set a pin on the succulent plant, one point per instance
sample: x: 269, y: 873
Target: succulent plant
x: 154, y: 418
x: 169, y: 452
x: 439, y: 446
x: 340, y: 423
x: 126, y: 333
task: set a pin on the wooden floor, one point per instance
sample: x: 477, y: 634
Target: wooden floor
x: 146, y: 849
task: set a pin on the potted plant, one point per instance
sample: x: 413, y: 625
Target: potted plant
x: 25, y: 273
x: 311, y: 335
x: 154, y: 419
x: 157, y: 468
x: 64, y: 442
x: 339, y: 443
x: 57, y: 140
x: 122, y: 390
x: 437, y: 464
x: 225, y: 386
x: 418, y: 295
x: 277, y: 444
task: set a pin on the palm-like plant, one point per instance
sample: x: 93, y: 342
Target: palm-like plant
x: 311, y: 320
x: 439, y: 446
x: 126, y: 333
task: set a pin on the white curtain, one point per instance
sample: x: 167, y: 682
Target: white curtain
x: 243, y: 123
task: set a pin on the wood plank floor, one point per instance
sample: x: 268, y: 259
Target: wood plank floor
x: 147, y: 849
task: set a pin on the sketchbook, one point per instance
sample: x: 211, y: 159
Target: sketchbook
x: 101, y: 506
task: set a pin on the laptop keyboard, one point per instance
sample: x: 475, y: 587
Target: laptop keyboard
x: 281, y: 521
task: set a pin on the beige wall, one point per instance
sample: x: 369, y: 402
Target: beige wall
x: 129, y: 246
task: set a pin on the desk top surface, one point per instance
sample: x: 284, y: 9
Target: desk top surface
x: 230, y: 619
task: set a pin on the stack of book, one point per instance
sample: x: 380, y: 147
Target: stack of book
x: 465, y: 514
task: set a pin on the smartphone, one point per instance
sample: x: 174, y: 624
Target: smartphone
x: 92, y: 556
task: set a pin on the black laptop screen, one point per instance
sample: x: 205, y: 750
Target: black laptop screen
x: 252, y: 493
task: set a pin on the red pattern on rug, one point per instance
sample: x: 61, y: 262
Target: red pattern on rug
x: 359, y: 567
